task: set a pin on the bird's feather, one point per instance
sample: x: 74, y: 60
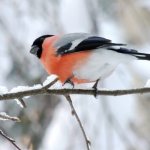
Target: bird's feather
x: 132, y: 52
x: 69, y: 38
x: 84, y: 43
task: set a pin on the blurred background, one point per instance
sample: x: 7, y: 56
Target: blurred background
x: 111, y: 123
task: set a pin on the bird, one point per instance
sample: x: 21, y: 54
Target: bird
x: 82, y: 57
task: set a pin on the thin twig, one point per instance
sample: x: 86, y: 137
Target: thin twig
x: 12, y: 141
x: 4, y: 116
x: 79, y: 122
x: 23, y: 104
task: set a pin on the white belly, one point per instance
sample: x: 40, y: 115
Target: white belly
x: 100, y: 64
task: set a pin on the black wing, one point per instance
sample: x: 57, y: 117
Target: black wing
x: 89, y: 43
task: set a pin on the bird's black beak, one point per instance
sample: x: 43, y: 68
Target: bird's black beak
x: 34, y: 50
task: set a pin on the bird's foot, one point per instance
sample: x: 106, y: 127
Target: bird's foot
x: 95, y: 88
x: 68, y: 84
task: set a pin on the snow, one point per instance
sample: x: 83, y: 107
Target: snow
x: 25, y: 88
x: 4, y: 117
x: 49, y: 79
x: 19, y: 103
x: 147, y: 83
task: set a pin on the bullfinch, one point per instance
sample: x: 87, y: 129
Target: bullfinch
x: 82, y: 57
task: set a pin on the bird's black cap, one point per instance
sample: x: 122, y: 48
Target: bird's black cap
x: 36, y: 48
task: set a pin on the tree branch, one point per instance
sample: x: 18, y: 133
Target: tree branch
x: 43, y: 90
x: 79, y: 122
x: 12, y: 141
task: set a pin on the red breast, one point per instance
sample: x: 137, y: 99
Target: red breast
x: 63, y: 66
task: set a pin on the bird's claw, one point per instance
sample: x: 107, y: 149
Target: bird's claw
x: 69, y: 82
x: 95, y: 88
x: 95, y: 91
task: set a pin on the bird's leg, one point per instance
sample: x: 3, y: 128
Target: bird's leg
x: 69, y: 81
x: 95, y: 87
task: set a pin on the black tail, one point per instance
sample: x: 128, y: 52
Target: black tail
x: 141, y: 56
